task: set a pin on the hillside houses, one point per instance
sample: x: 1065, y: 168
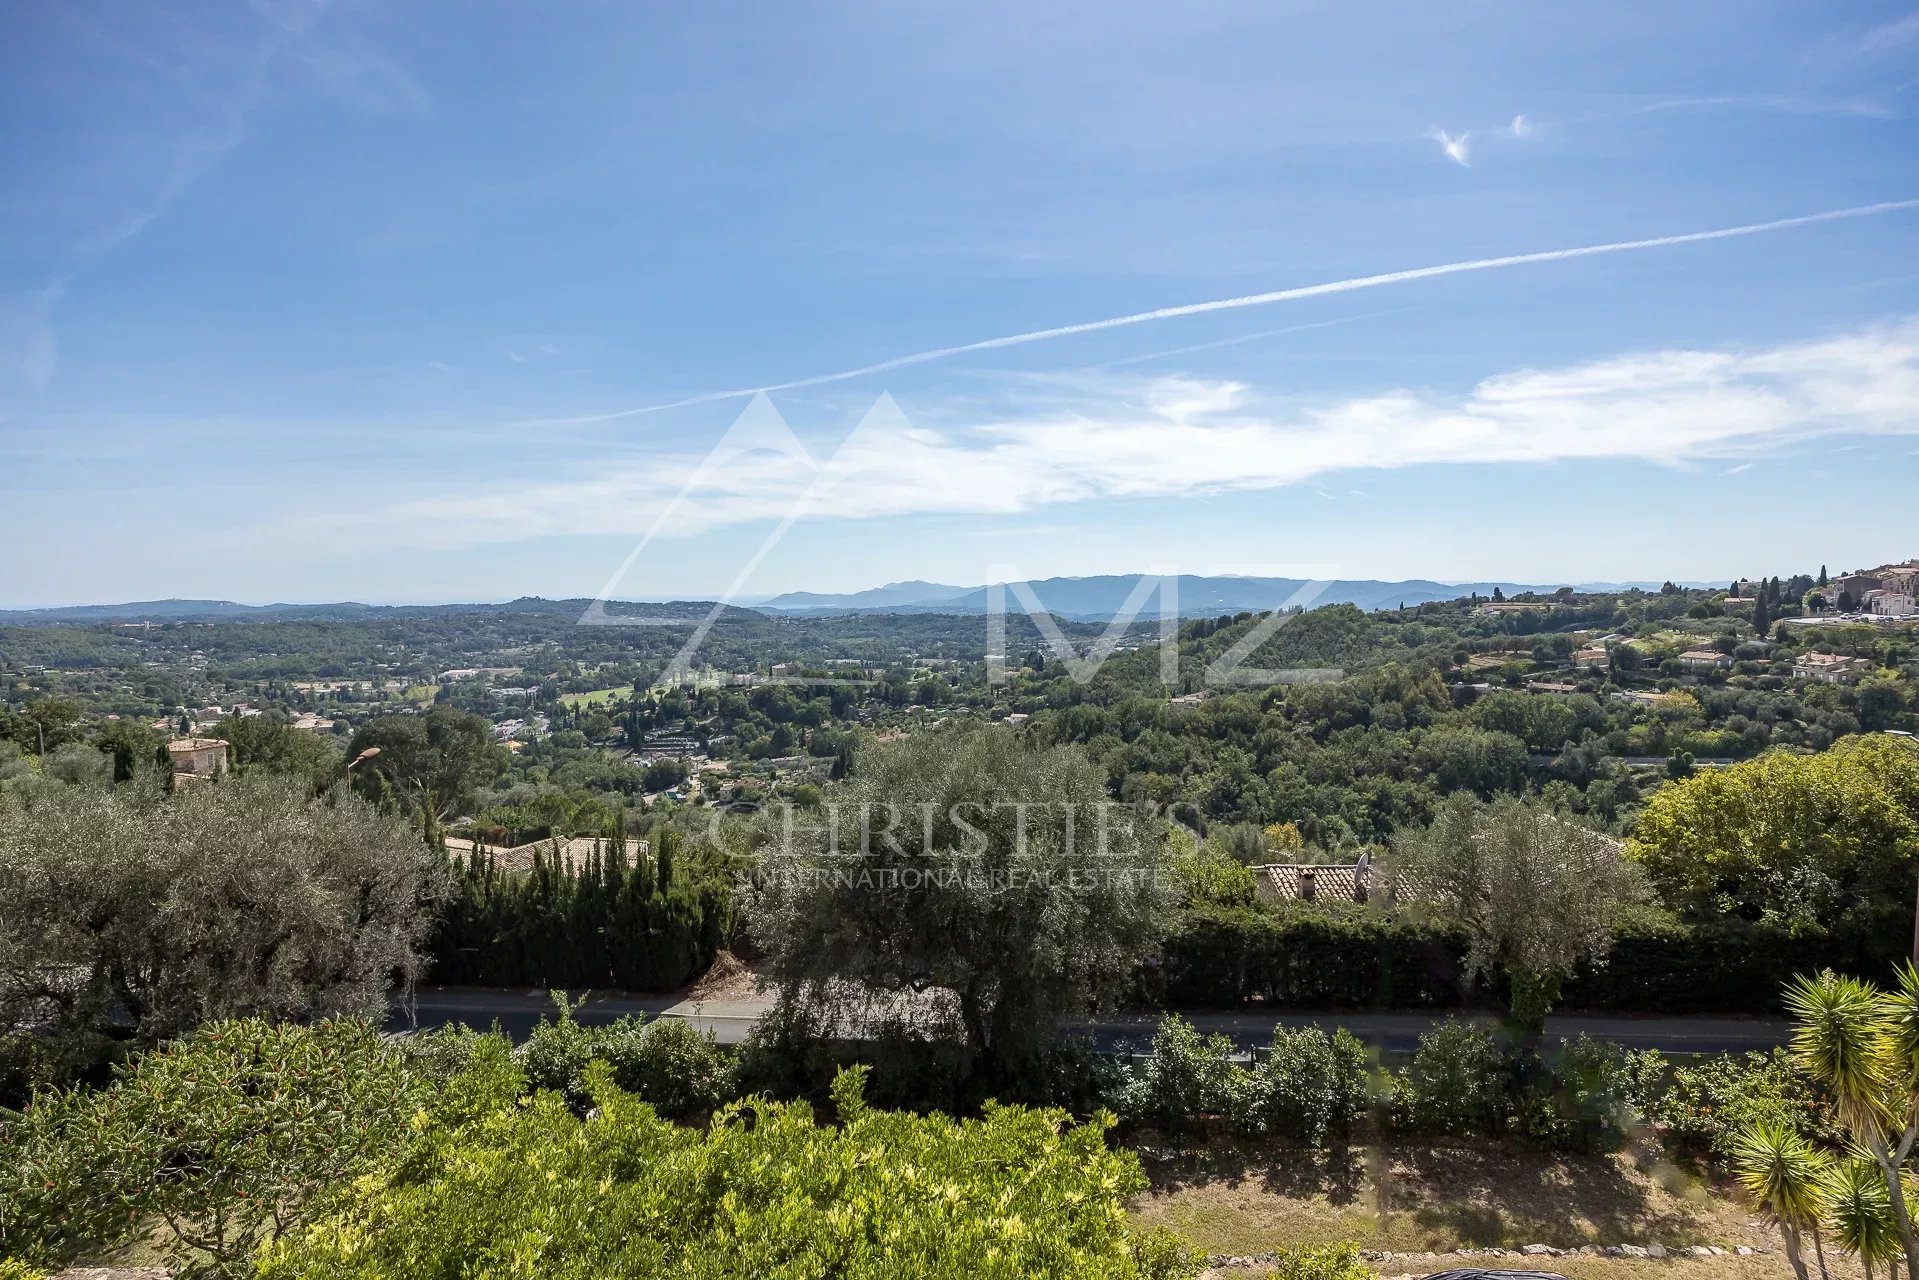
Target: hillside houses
x: 198, y: 759
x: 1830, y: 668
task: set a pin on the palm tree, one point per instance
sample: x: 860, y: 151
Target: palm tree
x: 1788, y: 1176
x: 1862, y: 1044
x: 1859, y: 1211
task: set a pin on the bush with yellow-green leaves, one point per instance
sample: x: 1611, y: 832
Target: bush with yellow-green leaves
x: 219, y: 1141
x: 505, y: 1185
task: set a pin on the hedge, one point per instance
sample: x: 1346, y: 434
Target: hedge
x: 606, y: 924
x: 1321, y: 959
x: 1346, y: 959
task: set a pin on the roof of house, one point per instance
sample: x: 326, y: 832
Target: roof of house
x: 573, y: 852
x: 182, y: 746
x: 1287, y: 881
x: 1703, y: 655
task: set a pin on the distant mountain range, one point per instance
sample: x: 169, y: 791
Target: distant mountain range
x: 1077, y: 598
x: 1105, y: 595
x: 343, y: 611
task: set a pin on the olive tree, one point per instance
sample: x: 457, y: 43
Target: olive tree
x: 1535, y: 893
x: 974, y: 884
x: 126, y: 913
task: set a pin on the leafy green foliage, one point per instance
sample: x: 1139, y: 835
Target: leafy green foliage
x: 1187, y: 1077
x: 1309, y: 1086
x: 225, y: 1137
x: 668, y: 1063
x: 1712, y: 1101
x: 1798, y: 839
x: 537, y: 1191
x: 1593, y: 1097
x: 433, y: 762
x: 1457, y: 1083
x: 982, y: 870
x: 608, y: 923
x: 131, y: 910
x: 1534, y: 893
x: 1327, y: 1262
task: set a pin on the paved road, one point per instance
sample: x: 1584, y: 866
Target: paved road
x: 517, y: 1012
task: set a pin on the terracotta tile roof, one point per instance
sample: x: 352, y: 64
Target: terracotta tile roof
x: 1301, y: 882
x: 573, y: 851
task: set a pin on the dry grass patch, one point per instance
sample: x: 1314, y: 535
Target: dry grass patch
x: 1239, y: 1200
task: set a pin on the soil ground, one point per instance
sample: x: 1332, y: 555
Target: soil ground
x: 1432, y: 1202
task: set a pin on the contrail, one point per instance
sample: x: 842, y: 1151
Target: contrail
x: 1243, y: 338
x: 1253, y: 300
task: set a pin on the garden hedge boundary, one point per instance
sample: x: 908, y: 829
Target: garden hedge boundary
x: 1332, y: 959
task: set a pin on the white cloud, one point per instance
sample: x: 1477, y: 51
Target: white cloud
x: 1521, y: 127
x: 1741, y: 469
x: 1458, y: 148
x: 1891, y: 35
x: 1188, y: 438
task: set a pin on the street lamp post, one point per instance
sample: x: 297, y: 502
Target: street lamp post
x: 362, y: 758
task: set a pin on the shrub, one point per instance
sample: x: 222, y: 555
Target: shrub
x: 555, y: 1056
x: 536, y: 1190
x: 1457, y: 1085
x: 224, y: 1136
x: 1188, y: 1076
x: 1590, y: 1097
x: 1309, y: 1086
x: 439, y: 1054
x: 682, y: 1071
x: 1330, y: 1262
x: 1710, y: 1102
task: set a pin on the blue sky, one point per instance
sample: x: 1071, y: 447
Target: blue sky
x: 304, y: 302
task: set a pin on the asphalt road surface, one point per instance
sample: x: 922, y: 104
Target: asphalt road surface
x: 517, y: 1012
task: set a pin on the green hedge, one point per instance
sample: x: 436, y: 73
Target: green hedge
x: 1357, y: 959
x: 1348, y: 959
x: 613, y: 924
x: 1726, y: 966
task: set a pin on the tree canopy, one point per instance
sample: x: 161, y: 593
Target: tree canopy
x: 1803, y: 839
x: 1535, y: 892
x: 245, y: 897
x: 983, y: 869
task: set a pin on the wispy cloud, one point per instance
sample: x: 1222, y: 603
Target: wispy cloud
x: 1782, y: 104
x: 223, y: 91
x: 1891, y: 35
x: 1182, y: 437
x: 1458, y: 147
x: 1248, y: 300
x: 29, y: 347
x: 1521, y: 127
x: 1741, y: 469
